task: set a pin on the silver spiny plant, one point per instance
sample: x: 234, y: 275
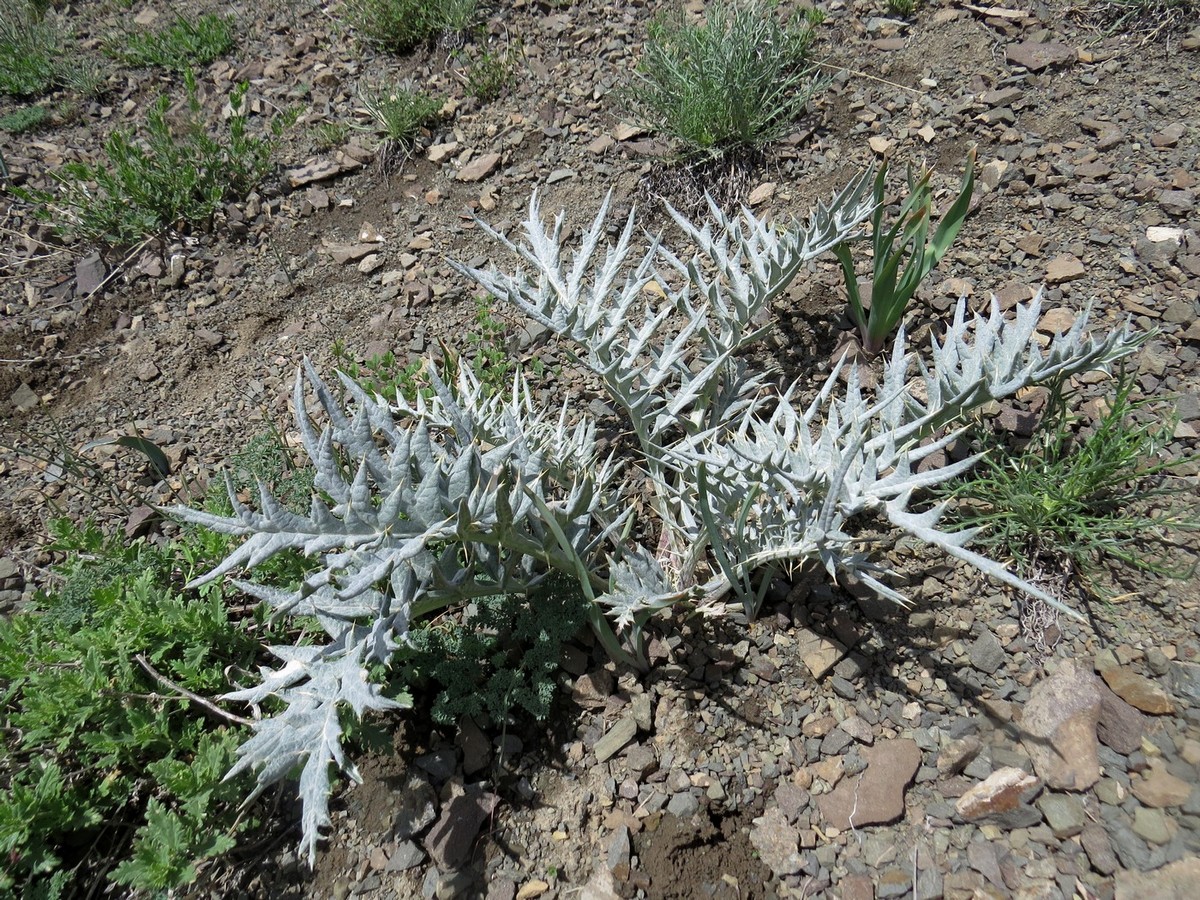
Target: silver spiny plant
x: 428, y: 503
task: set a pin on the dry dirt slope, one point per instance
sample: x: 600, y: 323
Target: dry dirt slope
x: 1089, y: 150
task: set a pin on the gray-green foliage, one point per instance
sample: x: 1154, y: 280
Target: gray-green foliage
x: 736, y: 81
x: 35, y: 56
x: 429, y: 503
x: 187, y: 42
x: 400, y: 25
x: 175, y: 174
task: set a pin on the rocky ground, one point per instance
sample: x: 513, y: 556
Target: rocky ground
x: 836, y: 747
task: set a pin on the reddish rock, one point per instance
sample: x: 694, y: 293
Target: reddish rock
x: 1064, y: 268
x: 876, y: 796
x: 452, y: 836
x: 1059, y: 727
x: 1138, y: 691
x: 1004, y: 791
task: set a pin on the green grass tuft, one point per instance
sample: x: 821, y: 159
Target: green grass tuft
x: 1076, y: 500
x: 735, y: 82
x: 400, y: 25
x: 35, y: 56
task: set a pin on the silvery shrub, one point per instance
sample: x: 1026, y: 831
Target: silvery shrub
x: 461, y: 493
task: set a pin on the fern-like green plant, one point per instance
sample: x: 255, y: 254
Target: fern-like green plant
x: 428, y: 503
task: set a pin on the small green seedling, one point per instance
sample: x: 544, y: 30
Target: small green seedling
x: 905, y: 246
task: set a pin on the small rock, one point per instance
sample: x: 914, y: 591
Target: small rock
x: 1169, y: 136
x: 351, y: 252
x: 762, y: 193
x: 1174, y: 881
x: 1036, y: 56
x: 957, y: 755
x: 1004, y: 791
x: 817, y: 653
x: 479, y: 168
x: 1064, y: 814
x: 791, y: 799
x: 560, y: 175
x: 683, y: 805
x: 1059, y: 727
x: 1151, y: 825
x: 1064, y: 268
x: 1158, y: 787
x: 777, y: 843
x: 441, y: 152
x: 986, y: 653
x: 624, y: 731
x: 619, y: 853
x: 404, y: 857
x: 1098, y: 848
x: 1121, y: 726
x: 858, y: 728
x: 89, y: 275
x: 416, y: 801
x: 452, y: 836
x: 24, y: 398
x: 601, y: 145
x: 531, y: 889
x: 476, y: 750
x: 1138, y: 691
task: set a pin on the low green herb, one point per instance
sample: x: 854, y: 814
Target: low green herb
x: 903, y: 254
x: 29, y: 118
x: 400, y: 25
x: 491, y: 74
x: 35, y: 53
x: 187, y: 43
x: 169, y: 177
x: 1075, y: 499
x: 108, y: 768
x: 501, y: 658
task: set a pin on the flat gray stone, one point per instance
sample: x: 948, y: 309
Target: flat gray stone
x: 986, y: 654
x: 1036, y: 56
x: 683, y: 805
x: 624, y: 731
x: 1064, y: 814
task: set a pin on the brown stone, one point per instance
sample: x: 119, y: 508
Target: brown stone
x: 1159, y: 788
x: 1139, y: 691
x: 1001, y: 792
x: 876, y: 796
x: 1035, y: 56
x: 1059, y: 727
x: 1064, y: 268
x: 452, y: 836
x: 1121, y: 726
x: 479, y: 168
x: 1175, y: 881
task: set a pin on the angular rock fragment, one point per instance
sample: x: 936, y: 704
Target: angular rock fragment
x: 1059, y: 727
